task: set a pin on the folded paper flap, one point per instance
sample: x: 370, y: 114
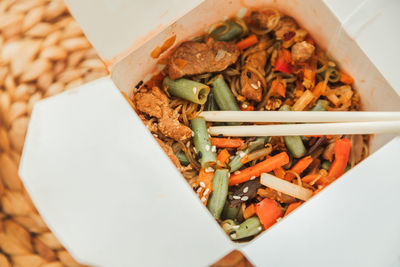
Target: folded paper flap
x: 98, y: 178
x: 350, y: 220
x: 116, y: 26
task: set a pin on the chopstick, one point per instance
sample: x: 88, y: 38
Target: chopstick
x: 299, y: 116
x: 372, y: 127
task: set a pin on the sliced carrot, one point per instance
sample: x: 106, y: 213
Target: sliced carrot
x: 264, y: 166
x: 249, y: 211
x: 345, y: 78
x: 223, y: 158
x: 280, y: 172
x: 342, y: 151
x: 226, y: 142
x: 278, y: 87
x: 319, y: 89
x: 247, y: 42
x: 309, y: 75
x: 204, y: 182
x: 268, y: 211
x: 283, y: 61
x: 299, y: 167
x: 292, y: 207
x: 309, y: 178
x: 246, y: 107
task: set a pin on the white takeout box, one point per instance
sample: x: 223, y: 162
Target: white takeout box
x: 113, y: 198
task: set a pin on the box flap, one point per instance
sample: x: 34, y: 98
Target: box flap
x: 107, y: 190
x: 353, y: 222
x: 115, y: 27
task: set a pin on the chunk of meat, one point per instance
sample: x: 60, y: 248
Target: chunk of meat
x: 265, y: 20
x: 170, y: 153
x: 275, y: 195
x: 195, y: 58
x: 302, y: 51
x: 285, y: 26
x: 155, y: 103
x: 251, y: 78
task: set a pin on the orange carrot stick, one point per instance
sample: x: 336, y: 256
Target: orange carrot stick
x: 292, y: 207
x: 247, y: 42
x: 280, y: 172
x: 345, y: 78
x: 204, y: 182
x: 268, y: 211
x: 342, y: 152
x: 249, y: 211
x: 226, y: 142
x: 264, y: 166
x: 278, y: 87
x: 223, y: 158
x: 300, y: 166
x: 309, y: 178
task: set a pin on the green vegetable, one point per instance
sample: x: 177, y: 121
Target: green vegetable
x: 202, y: 142
x: 326, y: 165
x: 223, y: 95
x: 187, y: 89
x: 235, y: 163
x: 321, y: 105
x: 211, y: 104
x: 249, y: 227
x: 218, y: 197
x: 334, y: 75
x: 294, y: 143
x: 230, y: 212
x: 305, y: 138
x: 182, y: 158
x: 228, y: 31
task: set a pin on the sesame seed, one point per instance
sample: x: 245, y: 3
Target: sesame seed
x: 207, y: 147
x: 242, y: 154
x: 188, y: 144
x: 209, y: 169
x: 236, y: 197
x: 233, y: 235
x: 231, y: 157
x: 259, y: 228
x: 254, y: 86
x: 202, y: 184
x: 195, y: 150
x: 192, y: 134
x: 199, y: 190
x: 155, y: 135
x: 214, y: 149
x: 206, y: 191
x: 245, y: 198
x: 236, y: 172
x: 203, y: 199
x: 246, y: 189
x: 252, y: 178
x: 277, y: 220
x: 194, y: 90
x: 258, y: 83
x: 244, y: 106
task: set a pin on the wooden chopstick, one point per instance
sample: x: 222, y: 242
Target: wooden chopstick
x: 371, y: 127
x: 299, y: 116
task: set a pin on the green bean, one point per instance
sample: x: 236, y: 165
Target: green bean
x: 235, y: 164
x: 326, y: 165
x: 294, y: 143
x: 187, y: 89
x: 334, y: 75
x: 211, y: 104
x: 321, y: 105
x: 227, y: 31
x: 249, y: 227
x: 223, y: 95
x: 202, y: 142
x: 230, y: 212
x: 218, y: 197
x: 182, y: 158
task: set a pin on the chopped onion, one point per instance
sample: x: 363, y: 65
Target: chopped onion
x: 283, y: 186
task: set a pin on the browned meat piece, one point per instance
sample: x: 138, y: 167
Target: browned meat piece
x: 356, y: 151
x: 302, y: 51
x: 328, y: 153
x: 265, y: 20
x: 155, y: 103
x: 196, y: 58
x: 251, y: 78
x: 285, y: 26
x: 170, y: 153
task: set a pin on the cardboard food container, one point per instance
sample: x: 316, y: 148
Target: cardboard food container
x: 112, y: 196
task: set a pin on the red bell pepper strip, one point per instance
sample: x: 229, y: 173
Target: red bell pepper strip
x: 342, y: 152
x: 283, y: 61
x: 268, y: 211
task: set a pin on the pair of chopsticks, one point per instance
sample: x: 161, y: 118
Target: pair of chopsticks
x: 312, y: 122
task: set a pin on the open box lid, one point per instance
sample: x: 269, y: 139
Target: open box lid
x: 130, y: 22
